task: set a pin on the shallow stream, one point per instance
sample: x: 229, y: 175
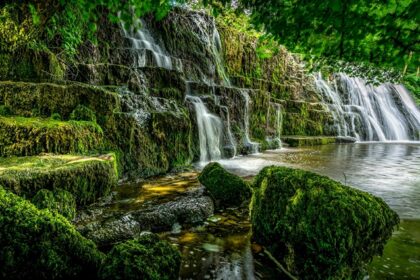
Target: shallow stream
x: 221, y: 248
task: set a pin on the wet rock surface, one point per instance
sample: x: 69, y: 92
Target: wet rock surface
x: 147, y: 206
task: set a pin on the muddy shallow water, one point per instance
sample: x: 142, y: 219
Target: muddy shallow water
x: 221, y: 247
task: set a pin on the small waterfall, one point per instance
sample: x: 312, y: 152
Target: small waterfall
x: 253, y: 146
x: 141, y: 40
x: 368, y: 113
x: 279, y: 122
x: 210, y: 128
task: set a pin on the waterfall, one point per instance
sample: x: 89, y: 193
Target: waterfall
x: 247, y: 141
x: 142, y: 41
x: 210, y: 130
x: 368, y: 113
x: 279, y: 122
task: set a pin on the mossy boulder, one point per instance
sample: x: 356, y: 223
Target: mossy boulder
x: 318, y: 228
x: 57, y: 200
x: 146, y: 258
x: 39, y: 244
x: 87, y: 178
x: 31, y: 136
x: 226, y: 188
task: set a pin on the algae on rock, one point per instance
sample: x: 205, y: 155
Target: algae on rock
x: 145, y: 257
x: 318, y: 228
x: 226, y: 188
x: 87, y: 178
x: 57, y: 200
x: 39, y: 244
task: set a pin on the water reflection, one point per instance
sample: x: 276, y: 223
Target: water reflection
x: 390, y: 171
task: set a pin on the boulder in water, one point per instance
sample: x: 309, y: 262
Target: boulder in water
x: 226, y: 188
x: 317, y: 227
x: 146, y: 257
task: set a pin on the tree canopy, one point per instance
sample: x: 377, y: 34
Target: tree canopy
x: 374, y: 31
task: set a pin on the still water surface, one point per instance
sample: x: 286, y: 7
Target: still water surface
x: 221, y: 248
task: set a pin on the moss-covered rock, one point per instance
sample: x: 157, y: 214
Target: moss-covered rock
x: 299, y: 141
x: 83, y: 113
x: 57, y: 200
x: 226, y: 188
x: 319, y: 228
x: 146, y: 258
x: 31, y: 136
x: 39, y: 244
x: 87, y: 178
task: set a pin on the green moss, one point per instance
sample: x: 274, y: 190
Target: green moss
x: 31, y: 136
x: 56, y: 116
x: 145, y: 258
x: 57, y: 200
x: 83, y: 113
x: 300, y: 141
x: 39, y: 244
x: 5, y: 111
x: 87, y: 178
x: 319, y: 228
x: 226, y: 188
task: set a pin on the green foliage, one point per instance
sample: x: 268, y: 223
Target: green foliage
x: 226, y: 188
x: 83, y: 113
x: 319, y: 228
x: 57, y: 200
x: 412, y: 82
x: 5, y: 111
x: 66, y: 25
x: 146, y: 258
x: 384, y: 32
x: 39, y: 244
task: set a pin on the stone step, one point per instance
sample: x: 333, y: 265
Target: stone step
x: 87, y: 177
x: 21, y: 136
x: 300, y: 141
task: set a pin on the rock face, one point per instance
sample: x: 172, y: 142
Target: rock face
x: 317, y: 227
x: 108, y: 227
x: 146, y: 257
x: 137, y: 93
x: 227, y: 189
x: 39, y: 244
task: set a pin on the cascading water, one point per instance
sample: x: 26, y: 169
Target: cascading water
x: 279, y: 121
x: 253, y: 146
x: 141, y: 40
x: 210, y: 128
x: 368, y: 113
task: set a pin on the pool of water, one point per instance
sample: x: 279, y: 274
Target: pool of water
x: 221, y: 248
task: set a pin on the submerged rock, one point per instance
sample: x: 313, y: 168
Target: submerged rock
x: 39, y: 244
x: 109, y: 227
x: 319, y: 228
x: 226, y: 188
x: 146, y: 257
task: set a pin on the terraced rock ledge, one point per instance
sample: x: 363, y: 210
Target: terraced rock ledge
x: 299, y: 141
x: 86, y: 177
